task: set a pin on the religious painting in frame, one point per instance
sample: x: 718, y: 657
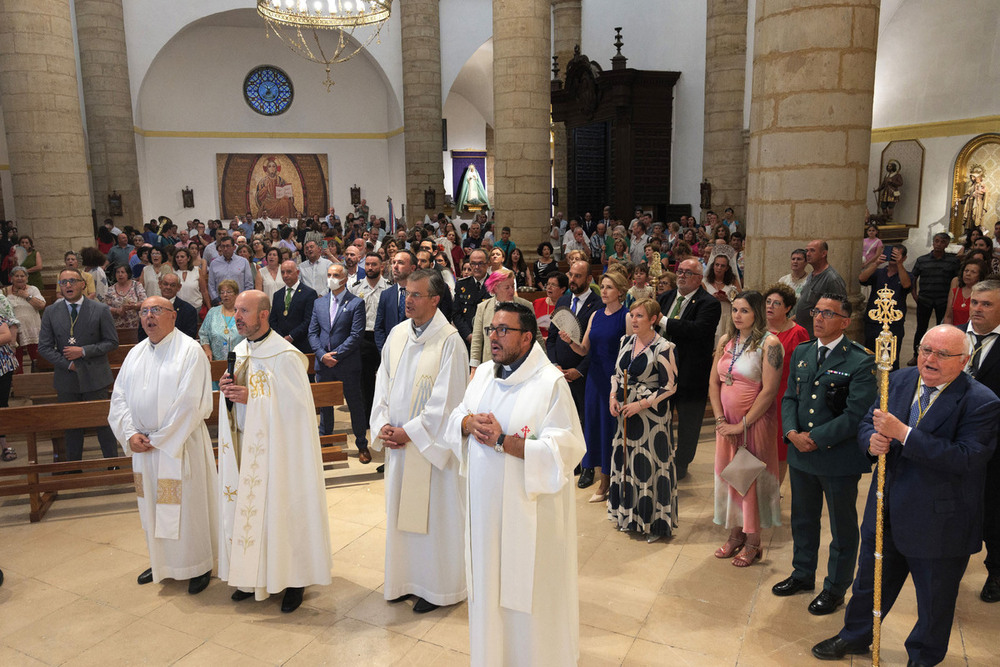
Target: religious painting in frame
x: 272, y: 185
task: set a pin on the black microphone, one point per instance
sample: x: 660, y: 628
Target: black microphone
x: 231, y: 370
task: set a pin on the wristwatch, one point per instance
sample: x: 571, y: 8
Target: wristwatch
x: 499, y: 444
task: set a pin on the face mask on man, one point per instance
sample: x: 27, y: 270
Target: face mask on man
x: 334, y: 284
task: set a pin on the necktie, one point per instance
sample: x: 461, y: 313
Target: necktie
x: 576, y: 301
x: 823, y: 351
x: 918, y: 408
x: 333, y: 309
x: 676, y: 310
x: 401, y: 307
x: 977, y: 358
x: 288, y: 298
x: 73, y: 311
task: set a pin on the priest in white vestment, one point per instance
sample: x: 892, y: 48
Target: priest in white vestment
x: 421, y: 379
x: 520, y: 436
x: 161, y: 399
x: 274, y: 529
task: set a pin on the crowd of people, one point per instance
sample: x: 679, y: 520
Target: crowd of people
x: 605, y: 378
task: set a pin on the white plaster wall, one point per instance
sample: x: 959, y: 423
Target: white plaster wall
x: 660, y: 36
x: 466, y: 131
x: 195, y: 86
x: 465, y: 26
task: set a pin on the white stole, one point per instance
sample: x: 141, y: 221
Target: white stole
x: 415, y: 492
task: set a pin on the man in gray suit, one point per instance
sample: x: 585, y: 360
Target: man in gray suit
x: 76, y: 337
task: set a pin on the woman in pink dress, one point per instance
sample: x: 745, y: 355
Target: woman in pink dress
x: 748, y: 362
x: 779, y: 300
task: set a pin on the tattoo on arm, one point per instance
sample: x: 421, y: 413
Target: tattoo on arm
x: 775, y: 355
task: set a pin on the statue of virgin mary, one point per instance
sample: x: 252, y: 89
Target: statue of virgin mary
x: 472, y: 192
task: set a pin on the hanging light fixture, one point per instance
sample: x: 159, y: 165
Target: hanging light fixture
x: 298, y: 23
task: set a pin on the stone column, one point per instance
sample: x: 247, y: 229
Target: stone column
x: 107, y: 98
x: 420, y: 35
x: 521, y: 101
x: 725, y: 83
x: 566, y: 22
x: 491, y: 153
x: 810, y: 133
x: 45, y: 144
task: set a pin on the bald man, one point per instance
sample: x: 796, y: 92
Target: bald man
x: 274, y: 532
x: 938, y: 436
x: 161, y: 399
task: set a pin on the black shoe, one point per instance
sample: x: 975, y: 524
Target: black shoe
x: 292, y: 600
x: 825, y: 603
x: 423, y: 606
x: 836, y: 648
x: 681, y: 473
x: 146, y: 577
x: 912, y: 663
x: 240, y: 596
x: 199, y: 583
x: 1, y: 577
x: 380, y: 468
x: 791, y: 586
x: 586, y: 478
x: 991, y: 589
x: 399, y: 599
x: 577, y: 470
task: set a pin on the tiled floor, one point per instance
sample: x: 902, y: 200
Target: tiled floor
x: 70, y: 596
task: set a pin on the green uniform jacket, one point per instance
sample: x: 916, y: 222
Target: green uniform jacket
x: 804, y: 407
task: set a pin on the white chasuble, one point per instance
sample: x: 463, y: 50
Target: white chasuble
x: 521, y: 529
x: 420, y: 381
x: 274, y: 529
x: 165, y: 392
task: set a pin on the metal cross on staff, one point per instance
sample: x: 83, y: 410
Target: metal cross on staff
x: 885, y: 356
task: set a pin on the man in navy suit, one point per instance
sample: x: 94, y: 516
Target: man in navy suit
x: 335, y: 331
x: 292, y: 308
x: 690, y: 317
x: 392, y: 302
x: 583, y: 302
x: 187, y: 315
x: 938, y: 436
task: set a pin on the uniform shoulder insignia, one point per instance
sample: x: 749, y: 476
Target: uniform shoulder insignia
x: 806, y: 342
x: 862, y: 347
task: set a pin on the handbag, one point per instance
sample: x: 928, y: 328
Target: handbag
x: 744, y: 469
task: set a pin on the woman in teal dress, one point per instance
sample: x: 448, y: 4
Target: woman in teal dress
x: 218, y: 333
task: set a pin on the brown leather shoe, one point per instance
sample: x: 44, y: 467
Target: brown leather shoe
x: 364, y: 455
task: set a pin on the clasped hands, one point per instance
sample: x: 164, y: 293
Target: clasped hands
x: 484, y: 427
x: 887, y: 429
x: 627, y: 410
x: 234, y: 392
x: 394, y: 437
x: 139, y: 443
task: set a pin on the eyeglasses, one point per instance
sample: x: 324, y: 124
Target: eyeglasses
x: 471, y: 263
x: 66, y: 282
x: 501, y: 330
x: 827, y: 314
x: 929, y: 352
x: 155, y: 311
x: 684, y: 273
x: 418, y: 295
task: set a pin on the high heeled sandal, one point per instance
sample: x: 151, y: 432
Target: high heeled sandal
x: 9, y: 454
x: 728, y: 549
x: 743, y: 561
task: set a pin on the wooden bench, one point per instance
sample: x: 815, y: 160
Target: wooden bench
x: 40, y: 482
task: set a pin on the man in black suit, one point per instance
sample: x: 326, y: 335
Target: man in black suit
x: 292, y: 308
x: 469, y: 293
x: 690, y: 317
x: 583, y: 302
x: 938, y: 436
x: 392, y: 302
x: 984, y: 365
x: 75, y: 337
x: 187, y: 315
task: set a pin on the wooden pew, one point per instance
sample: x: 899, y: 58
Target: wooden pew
x: 41, y: 485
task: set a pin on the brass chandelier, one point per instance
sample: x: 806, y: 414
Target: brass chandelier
x: 297, y: 23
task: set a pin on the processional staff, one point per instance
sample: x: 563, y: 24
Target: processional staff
x: 885, y: 356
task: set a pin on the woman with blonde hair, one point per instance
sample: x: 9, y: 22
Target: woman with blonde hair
x: 643, y: 491
x: 601, y: 342
x: 743, y: 387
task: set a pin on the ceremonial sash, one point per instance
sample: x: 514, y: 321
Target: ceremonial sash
x: 415, y: 491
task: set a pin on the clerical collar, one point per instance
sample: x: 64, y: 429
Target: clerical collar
x: 418, y: 331
x: 266, y: 334
x: 504, y: 371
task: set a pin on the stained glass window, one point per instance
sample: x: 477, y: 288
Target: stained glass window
x: 268, y: 90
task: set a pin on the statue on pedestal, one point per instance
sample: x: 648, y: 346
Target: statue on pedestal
x: 473, y: 192
x: 888, y: 190
x: 974, y: 199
